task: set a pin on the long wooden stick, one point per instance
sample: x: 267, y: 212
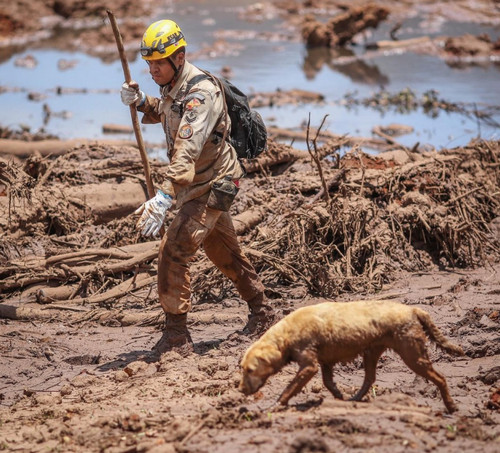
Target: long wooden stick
x: 133, y: 110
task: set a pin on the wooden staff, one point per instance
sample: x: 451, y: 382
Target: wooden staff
x: 133, y: 110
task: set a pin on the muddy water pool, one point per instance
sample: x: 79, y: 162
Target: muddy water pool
x: 90, y: 87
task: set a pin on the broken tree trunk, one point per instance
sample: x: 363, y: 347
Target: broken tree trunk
x: 132, y: 284
x: 31, y: 312
x: 20, y: 148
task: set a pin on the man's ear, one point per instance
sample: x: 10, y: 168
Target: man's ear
x: 180, y: 58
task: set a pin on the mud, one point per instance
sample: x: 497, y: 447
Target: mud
x: 342, y: 28
x: 80, y: 315
x: 78, y: 303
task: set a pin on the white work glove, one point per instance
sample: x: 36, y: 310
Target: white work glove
x: 153, y: 213
x: 131, y: 94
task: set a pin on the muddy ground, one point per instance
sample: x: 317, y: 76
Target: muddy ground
x: 79, y: 311
x: 83, y: 387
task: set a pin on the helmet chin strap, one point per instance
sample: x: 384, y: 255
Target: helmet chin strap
x: 164, y: 89
x: 176, y: 71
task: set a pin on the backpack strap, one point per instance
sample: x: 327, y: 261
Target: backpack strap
x: 197, y: 78
x: 218, y: 83
x: 178, y: 104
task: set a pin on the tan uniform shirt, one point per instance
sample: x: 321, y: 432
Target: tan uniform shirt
x: 196, y: 157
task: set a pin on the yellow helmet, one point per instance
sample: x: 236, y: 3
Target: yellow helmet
x: 161, y: 39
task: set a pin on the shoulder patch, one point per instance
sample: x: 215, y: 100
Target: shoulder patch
x: 186, y: 131
x: 195, y: 102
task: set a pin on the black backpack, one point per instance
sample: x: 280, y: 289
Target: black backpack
x: 248, y: 133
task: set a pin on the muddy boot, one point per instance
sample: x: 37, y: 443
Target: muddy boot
x: 261, y: 316
x: 175, y: 337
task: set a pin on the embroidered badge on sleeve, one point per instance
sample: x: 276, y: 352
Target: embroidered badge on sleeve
x: 193, y: 103
x: 190, y: 116
x: 186, y: 131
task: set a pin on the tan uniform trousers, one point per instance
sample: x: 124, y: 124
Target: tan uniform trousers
x: 194, y: 225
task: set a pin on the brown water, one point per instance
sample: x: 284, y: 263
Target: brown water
x: 261, y: 65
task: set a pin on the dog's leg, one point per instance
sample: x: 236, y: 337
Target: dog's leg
x: 414, y: 353
x: 370, y: 359
x: 303, y: 376
x: 327, y: 374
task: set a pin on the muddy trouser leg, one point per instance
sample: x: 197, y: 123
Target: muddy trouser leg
x: 222, y: 248
x: 183, y: 237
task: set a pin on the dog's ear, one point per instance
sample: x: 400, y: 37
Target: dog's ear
x: 270, y: 355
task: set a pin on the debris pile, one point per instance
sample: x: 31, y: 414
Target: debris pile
x: 341, y: 29
x: 333, y: 220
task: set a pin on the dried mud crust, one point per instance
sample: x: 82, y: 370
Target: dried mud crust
x: 88, y: 387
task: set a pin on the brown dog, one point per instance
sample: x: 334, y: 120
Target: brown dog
x: 328, y: 333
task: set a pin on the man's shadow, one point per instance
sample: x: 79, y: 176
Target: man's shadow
x: 149, y: 356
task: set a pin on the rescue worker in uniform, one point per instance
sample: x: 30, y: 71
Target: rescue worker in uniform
x: 194, y: 120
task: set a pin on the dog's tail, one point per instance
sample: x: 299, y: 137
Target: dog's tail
x: 436, y: 335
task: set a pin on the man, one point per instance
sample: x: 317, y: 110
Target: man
x: 195, y: 121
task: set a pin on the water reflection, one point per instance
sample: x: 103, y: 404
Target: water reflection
x: 466, y: 63
x: 345, y: 62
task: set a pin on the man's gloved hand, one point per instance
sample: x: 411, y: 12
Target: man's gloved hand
x: 153, y: 213
x: 131, y: 94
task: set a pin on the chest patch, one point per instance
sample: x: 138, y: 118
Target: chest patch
x: 186, y: 131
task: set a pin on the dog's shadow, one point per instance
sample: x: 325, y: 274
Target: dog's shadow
x: 307, y: 405
x: 300, y: 407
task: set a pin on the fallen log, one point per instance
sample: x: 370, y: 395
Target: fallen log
x: 267, y: 160
x: 20, y: 148
x: 110, y: 128
x: 281, y: 154
x: 124, y: 252
x: 278, y: 133
x: 30, y: 312
x: 37, y: 263
x: 50, y: 294
x: 245, y: 221
x: 387, y: 44
x: 16, y: 282
x: 342, y: 28
x: 283, y: 97
x: 101, y: 202
x: 75, y: 315
x: 117, y: 267
x: 108, y: 201
x: 134, y: 283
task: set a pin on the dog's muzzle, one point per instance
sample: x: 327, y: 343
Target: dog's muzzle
x: 249, y: 385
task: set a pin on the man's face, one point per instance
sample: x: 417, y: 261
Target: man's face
x: 162, y: 71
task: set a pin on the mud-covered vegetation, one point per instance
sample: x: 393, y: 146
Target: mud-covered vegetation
x: 376, y: 217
